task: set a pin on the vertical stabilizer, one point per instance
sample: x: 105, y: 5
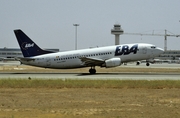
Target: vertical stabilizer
x: 28, y: 47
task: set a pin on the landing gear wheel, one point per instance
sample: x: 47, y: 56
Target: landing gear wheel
x: 92, y: 71
x: 147, y: 64
x: 138, y: 63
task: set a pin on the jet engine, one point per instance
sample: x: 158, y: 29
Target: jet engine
x: 112, y: 62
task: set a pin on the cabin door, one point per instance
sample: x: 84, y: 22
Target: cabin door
x: 48, y: 61
x: 144, y: 50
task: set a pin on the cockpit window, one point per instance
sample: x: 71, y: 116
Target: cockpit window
x: 153, y: 47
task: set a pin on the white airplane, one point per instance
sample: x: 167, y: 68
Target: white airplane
x: 110, y: 56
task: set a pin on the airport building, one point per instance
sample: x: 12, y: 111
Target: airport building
x: 170, y: 55
x: 15, y: 52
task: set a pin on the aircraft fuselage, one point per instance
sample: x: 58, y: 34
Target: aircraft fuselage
x: 72, y: 59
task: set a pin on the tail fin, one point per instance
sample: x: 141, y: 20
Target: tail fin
x: 28, y: 47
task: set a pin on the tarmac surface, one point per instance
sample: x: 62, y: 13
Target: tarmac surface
x: 101, y: 75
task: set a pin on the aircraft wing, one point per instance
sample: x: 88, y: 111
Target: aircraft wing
x: 91, y: 61
x: 24, y: 59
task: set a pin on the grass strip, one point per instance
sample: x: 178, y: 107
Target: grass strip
x: 68, y: 83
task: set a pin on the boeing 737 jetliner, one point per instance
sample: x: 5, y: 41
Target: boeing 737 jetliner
x: 110, y: 56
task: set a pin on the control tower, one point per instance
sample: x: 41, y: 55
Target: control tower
x: 117, y: 31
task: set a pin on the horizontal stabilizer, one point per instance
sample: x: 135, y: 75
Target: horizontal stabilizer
x: 24, y: 59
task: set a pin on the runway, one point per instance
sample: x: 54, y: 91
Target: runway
x: 100, y: 75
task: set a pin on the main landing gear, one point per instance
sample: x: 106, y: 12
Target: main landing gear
x: 92, y: 70
x: 147, y: 64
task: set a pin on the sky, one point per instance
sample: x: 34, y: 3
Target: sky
x: 50, y: 22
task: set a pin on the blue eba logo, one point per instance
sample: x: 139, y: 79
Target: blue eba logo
x: 26, y: 45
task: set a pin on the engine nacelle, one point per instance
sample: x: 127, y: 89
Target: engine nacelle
x: 112, y: 62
